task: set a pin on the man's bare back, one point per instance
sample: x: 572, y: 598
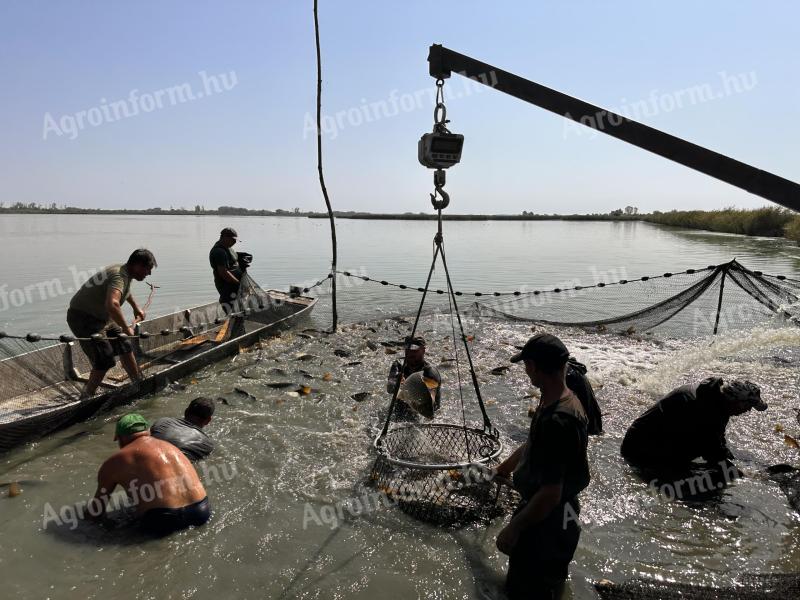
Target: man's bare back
x: 154, y: 473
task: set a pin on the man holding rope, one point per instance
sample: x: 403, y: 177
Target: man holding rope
x: 96, y: 308
x: 225, y: 264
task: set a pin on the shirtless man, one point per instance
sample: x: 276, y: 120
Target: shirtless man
x: 160, y: 480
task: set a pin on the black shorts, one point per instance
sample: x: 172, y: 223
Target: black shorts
x: 101, y: 353
x: 163, y: 521
x: 539, y: 563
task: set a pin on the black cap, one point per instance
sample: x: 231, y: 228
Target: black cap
x: 543, y: 348
x: 415, y: 343
x: 229, y: 232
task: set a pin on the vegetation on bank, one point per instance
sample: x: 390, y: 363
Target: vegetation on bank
x: 767, y: 221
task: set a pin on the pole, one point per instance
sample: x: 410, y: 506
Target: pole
x: 331, y: 218
x: 719, y: 303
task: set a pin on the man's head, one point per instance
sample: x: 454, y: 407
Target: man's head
x: 741, y: 396
x: 129, y: 427
x: 200, y: 411
x: 141, y: 263
x: 228, y: 237
x: 545, y: 358
x: 415, y: 350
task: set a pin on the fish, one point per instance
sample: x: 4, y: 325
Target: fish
x: 244, y: 392
x: 341, y: 352
x: 249, y: 374
x: 223, y: 400
x: 778, y: 428
x: 390, y: 351
x: 277, y: 371
x: 305, y: 357
x: 14, y: 490
x: 305, y: 374
x: 372, y: 345
x: 278, y: 385
x: 177, y: 387
x: 304, y: 390
x: 305, y: 336
x: 361, y: 396
x: 327, y: 377
x: 499, y: 370
x: 790, y: 441
x: 355, y: 363
x: 293, y: 394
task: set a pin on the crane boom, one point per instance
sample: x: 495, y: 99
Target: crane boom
x: 444, y: 61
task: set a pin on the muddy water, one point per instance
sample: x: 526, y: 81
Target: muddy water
x: 286, y: 463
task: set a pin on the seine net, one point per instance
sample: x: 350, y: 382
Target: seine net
x: 695, y: 302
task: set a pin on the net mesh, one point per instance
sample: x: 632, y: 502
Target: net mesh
x: 693, y: 302
x: 438, y: 473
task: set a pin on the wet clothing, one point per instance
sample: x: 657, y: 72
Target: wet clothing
x: 220, y: 256
x: 686, y: 424
x: 100, y: 353
x: 163, y: 521
x: 184, y: 435
x: 578, y: 383
x: 402, y: 410
x: 91, y: 296
x: 555, y: 451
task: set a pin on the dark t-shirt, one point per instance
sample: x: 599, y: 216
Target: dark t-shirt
x: 220, y: 256
x: 555, y: 451
x: 578, y: 383
x: 687, y: 423
x: 188, y: 438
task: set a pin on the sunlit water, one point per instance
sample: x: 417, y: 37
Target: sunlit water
x: 284, y: 462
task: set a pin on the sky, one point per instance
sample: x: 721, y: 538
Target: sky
x: 96, y: 112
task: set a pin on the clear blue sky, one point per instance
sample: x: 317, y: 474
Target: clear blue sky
x: 249, y: 145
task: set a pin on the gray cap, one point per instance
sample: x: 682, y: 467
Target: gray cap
x: 229, y: 232
x: 744, y: 391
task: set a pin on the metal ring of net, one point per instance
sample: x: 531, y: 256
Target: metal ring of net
x: 437, y: 472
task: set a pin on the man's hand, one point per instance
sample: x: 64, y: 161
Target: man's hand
x: 129, y: 331
x: 508, y: 539
x: 138, y: 314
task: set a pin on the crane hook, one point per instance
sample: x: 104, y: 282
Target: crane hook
x: 444, y: 202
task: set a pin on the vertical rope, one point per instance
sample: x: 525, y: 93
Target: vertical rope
x: 719, y: 302
x: 321, y: 176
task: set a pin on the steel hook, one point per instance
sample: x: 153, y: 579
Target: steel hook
x: 444, y: 202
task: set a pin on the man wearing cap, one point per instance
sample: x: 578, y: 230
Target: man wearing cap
x: 225, y: 265
x: 96, y: 308
x: 160, y: 481
x: 549, y: 471
x: 689, y: 423
x: 187, y: 433
x: 414, y: 363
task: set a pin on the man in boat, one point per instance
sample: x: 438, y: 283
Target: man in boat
x: 96, y: 308
x: 549, y: 471
x: 689, y: 423
x: 225, y: 264
x: 160, y: 481
x: 414, y: 363
x: 187, y: 433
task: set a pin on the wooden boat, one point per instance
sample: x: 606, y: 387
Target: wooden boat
x: 41, y: 387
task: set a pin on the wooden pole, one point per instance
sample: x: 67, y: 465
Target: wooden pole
x: 321, y: 176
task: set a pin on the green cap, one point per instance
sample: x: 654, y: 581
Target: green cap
x: 130, y: 424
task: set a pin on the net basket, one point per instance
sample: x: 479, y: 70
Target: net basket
x: 437, y: 473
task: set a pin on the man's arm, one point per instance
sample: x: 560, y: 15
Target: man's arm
x: 506, y: 468
x: 138, y: 313
x: 114, y: 310
x: 226, y: 275
x: 106, y: 483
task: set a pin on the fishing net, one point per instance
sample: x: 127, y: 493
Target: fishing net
x: 439, y: 473
x: 748, y: 587
x: 43, y: 375
x: 694, y: 302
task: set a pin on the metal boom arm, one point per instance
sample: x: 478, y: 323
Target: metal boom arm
x: 782, y: 191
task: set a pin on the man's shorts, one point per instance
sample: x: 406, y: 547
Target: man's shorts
x: 163, y: 521
x: 101, y: 353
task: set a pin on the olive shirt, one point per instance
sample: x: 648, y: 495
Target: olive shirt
x: 91, y: 297
x: 555, y: 451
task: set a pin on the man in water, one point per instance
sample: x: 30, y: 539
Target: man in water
x: 580, y: 384
x: 414, y: 362
x: 187, y: 433
x: 549, y: 471
x: 159, y: 479
x: 96, y: 308
x: 689, y: 423
x: 225, y: 264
